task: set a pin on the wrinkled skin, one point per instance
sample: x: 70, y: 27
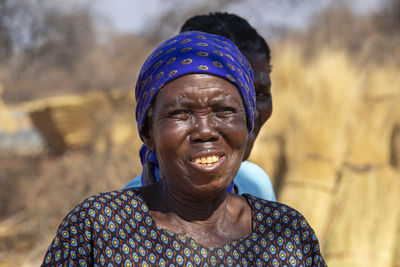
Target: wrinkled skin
x: 262, y: 84
x: 197, y: 116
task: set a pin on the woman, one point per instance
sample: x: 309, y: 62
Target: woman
x: 250, y: 178
x: 195, y: 111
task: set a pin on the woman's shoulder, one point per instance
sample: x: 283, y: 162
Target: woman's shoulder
x: 276, y: 213
x: 285, y: 227
x: 270, y: 205
x: 109, y: 215
x: 112, y: 198
x: 119, y: 203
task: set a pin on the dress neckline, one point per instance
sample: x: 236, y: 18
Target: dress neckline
x: 183, y: 238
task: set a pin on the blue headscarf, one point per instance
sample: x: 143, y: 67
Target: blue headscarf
x: 187, y: 53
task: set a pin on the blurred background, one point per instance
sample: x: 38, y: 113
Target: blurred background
x: 332, y: 146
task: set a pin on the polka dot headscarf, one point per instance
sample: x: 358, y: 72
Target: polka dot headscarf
x: 193, y: 52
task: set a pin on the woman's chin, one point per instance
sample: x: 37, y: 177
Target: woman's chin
x: 211, y: 175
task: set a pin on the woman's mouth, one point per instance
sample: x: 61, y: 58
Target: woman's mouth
x: 207, y: 161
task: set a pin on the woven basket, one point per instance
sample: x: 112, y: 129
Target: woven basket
x: 78, y: 121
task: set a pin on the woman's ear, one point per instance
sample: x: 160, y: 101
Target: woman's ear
x: 146, y: 130
x: 147, y: 137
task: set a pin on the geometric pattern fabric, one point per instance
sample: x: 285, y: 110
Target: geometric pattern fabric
x: 116, y: 229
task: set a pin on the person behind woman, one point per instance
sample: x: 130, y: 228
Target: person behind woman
x: 195, y: 111
x: 251, y: 178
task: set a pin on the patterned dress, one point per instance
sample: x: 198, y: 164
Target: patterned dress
x: 116, y: 229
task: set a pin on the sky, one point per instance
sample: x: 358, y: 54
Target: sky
x: 128, y: 15
x: 133, y: 15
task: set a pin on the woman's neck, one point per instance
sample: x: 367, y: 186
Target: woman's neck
x: 212, y: 222
x: 186, y: 206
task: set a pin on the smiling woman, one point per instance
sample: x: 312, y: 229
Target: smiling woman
x: 195, y: 110
x: 198, y: 130
x: 250, y: 178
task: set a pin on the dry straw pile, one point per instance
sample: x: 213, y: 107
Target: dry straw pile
x: 96, y: 142
x: 334, y: 130
x: 97, y: 120
x: 364, y: 220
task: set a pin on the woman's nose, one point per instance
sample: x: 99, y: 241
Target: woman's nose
x: 204, y: 130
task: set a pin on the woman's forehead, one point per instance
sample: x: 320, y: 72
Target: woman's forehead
x: 197, y: 88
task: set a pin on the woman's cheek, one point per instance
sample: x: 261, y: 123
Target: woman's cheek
x: 173, y: 129
x: 236, y: 130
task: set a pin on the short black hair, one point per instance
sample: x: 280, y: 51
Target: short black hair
x: 231, y: 26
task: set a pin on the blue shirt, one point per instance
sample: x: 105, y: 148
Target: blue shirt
x: 250, y: 179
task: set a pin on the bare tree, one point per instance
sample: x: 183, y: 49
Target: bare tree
x: 170, y: 20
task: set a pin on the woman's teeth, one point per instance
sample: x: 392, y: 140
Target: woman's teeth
x: 207, y: 160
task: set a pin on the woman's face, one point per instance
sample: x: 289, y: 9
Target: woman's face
x: 262, y: 84
x: 199, y: 131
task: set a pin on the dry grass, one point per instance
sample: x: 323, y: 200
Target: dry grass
x: 368, y: 182
x: 331, y: 148
x: 327, y: 147
x: 38, y: 202
x: 363, y: 225
x: 36, y: 193
x: 316, y: 138
x: 334, y: 129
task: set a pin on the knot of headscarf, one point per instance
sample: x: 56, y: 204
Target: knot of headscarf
x: 188, y: 53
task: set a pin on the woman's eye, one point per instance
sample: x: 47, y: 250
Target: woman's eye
x: 225, y: 110
x: 179, y: 113
x: 262, y: 95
